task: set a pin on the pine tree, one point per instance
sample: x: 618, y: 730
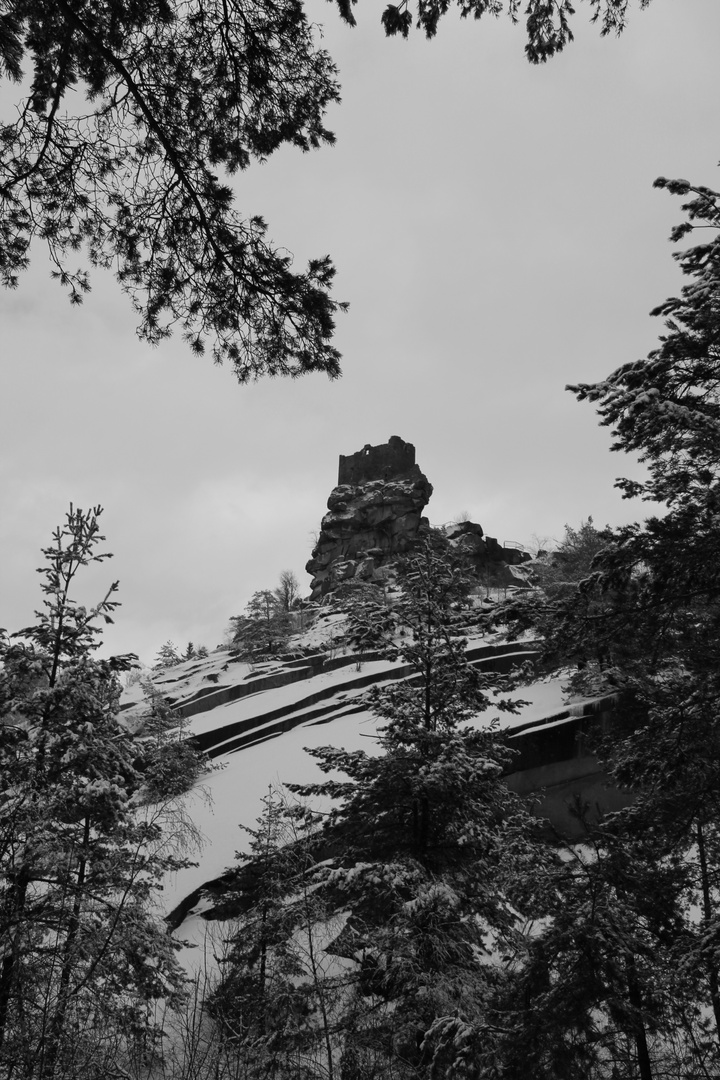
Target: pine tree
x: 562, y: 592
x: 80, y: 856
x: 168, y: 656
x: 648, y: 617
x: 434, y: 853
x: 278, y: 998
x: 548, y: 26
x: 664, y: 582
x: 174, y: 99
x: 599, y: 992
x: 167, y: 760
x: 263, y: 629
x: 370, y: 621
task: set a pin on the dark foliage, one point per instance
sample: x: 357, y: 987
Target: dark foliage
x: 642, y: 934
x: 547, y: 22
x: 132, y: 116
x: 435, y: 851
x: 131, y: 111
x: 80, y: 846
x: 263, y: 629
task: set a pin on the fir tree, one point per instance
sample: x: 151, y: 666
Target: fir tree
x: 648, y: 618
x: 79, y: 856
x: 370, y: 621
x: 278, y: 999
x: 167, y: 760
x: 434, y: 852
x: 599, y: 992
x: 168, y: 656
x: 659, y: 581
x: 562, y: 580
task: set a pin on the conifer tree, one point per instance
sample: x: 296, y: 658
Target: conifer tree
x: 168, y: 656
x: 660, y: 581
x: 562, y: 594
x: 602, y: 990
x: 432, y: 854
x: 79, y: 855
x: 263, y: 629
x: 129, y: 120
x: 278, y: 999
x: 648, y: 618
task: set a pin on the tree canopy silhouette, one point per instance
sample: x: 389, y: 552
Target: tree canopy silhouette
x: 130, y: 117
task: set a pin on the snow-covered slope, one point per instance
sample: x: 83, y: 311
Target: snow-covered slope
x: 256, y: 723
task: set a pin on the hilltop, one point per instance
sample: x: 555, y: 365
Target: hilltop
x: 255, y: 718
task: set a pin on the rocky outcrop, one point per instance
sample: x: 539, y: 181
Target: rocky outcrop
x: 494, y: 564
x: 374, y: 513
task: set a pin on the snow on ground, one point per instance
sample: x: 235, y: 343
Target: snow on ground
x: 266, y: 701
x: 231, y: 795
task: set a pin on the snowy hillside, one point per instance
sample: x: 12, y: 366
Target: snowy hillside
x: 255, y: 722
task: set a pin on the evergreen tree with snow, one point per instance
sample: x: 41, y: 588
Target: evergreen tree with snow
x: 280, y: 995
x: 660, y: 589
x: 558, y: 579
x: 85, y: 955
x: 168, y: 656
x: 645, y: 624
x: 603, y: 990
x: 431, y: 856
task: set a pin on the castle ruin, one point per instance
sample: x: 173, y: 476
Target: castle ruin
x: 392, y: 459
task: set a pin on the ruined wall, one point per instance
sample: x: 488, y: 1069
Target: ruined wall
x: 393, y: 458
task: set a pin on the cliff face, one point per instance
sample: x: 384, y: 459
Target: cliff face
x: 373, y: 514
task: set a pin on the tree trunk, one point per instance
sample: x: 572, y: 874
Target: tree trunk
x: 639, y: 1033
x: 320, y: 991
x: 49, y: 1055
x: 707, y: 914
x: 18, y: 895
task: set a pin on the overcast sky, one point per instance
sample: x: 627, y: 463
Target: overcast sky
x: 497, y: 235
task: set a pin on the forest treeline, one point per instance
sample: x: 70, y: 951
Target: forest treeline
x: 404, y: 917
x: 417, y: 922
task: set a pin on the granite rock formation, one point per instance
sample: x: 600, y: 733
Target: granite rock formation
x: 374, y: 513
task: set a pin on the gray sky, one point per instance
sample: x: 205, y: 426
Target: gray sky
x: 497, y: 235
